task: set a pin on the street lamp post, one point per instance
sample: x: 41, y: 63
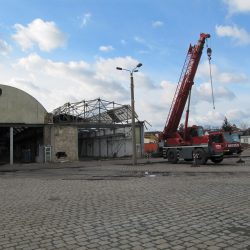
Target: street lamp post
x: 134, y: 158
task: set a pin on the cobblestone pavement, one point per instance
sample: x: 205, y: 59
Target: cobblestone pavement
x: 107, y: 205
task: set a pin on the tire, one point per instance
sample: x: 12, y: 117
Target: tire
x: 172, y: 156
x: 201, y: 156
x: 188, y: 159
x: 217, y: 160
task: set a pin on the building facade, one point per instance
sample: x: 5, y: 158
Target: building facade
x: 86, y: 129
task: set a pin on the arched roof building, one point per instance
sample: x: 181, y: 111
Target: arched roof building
x: 95, y: 128
x: 19, y: 107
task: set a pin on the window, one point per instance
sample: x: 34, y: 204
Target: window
x: 217, y: 138
x: 200, y: 131
x: 231, y: 137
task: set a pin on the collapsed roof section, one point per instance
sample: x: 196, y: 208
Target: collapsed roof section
x: 93, y: 111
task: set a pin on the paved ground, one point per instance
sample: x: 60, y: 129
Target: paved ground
x: 113, y: 205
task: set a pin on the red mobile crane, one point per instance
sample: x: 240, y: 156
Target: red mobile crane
x: 190, y: 143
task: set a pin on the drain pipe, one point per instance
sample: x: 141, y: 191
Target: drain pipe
x: 11, y: 145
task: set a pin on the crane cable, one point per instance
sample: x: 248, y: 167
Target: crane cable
x: 209, y: 53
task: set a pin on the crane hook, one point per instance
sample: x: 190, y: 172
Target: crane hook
x: 209, y: 53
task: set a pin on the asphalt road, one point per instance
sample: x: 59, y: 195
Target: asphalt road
x: 114, y: 205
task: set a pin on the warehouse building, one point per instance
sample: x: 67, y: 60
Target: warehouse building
x: 72, y: 132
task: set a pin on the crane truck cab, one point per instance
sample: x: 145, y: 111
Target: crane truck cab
x: 216, y: 145
x: 232, y: 145
x: 231, y: 142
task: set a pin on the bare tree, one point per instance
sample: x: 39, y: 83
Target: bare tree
x: 226, y: 126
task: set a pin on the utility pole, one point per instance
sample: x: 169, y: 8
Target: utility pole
x: 134, y: 157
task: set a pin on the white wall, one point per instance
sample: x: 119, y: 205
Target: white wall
x: 111, y: 143
x: 245, y: 139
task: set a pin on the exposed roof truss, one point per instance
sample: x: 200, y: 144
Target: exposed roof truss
x: 94, y: 111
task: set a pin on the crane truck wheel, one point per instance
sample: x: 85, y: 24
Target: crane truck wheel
x: 200, y: 156
x: 172, y: 156
x: 217, y: 160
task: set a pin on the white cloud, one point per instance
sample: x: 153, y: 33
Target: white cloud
x: 237, y: 6
x: 157, y: 24
x: 209, y: 118
x: 26, y: 84
x: 215, y: 118
x: 104, y: 67
x: 168, y: 90
x: 143, y: 42
x: 153, y: 111
x: 123, y: 42
x: 54, y: 83
x: 235, y: 115
x: 203, y: 92
x: 218, y: 76
x: 72, y: 81
x: 85, y: 19
x: 239, y: 35
x: 5, y: 48
x: 106, y: 48
x: 44, y: 34
x: 139, y: 40
x: 201, y: 110
x: 226, y: 77
x: 157, y: 103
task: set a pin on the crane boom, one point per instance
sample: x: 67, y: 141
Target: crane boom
x: 184, y: 87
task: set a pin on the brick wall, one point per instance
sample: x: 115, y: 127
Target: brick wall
x: 62, y: 139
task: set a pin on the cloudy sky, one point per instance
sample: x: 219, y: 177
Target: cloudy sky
x: 67, y: 50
